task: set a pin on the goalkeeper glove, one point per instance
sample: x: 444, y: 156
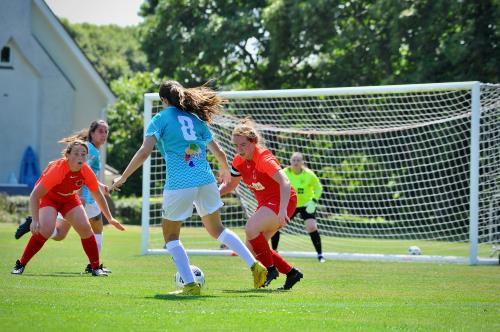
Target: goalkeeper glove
x: 311, y: 206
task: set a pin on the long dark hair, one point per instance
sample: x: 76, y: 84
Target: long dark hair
x: 202, y: 100
x: 85, y: 134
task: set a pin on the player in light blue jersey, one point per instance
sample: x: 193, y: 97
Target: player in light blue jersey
x: 181, y: 134
x: 95, y: 136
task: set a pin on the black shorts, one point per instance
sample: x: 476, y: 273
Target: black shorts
x: 303, y: 213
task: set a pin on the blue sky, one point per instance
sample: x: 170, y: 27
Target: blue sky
x: 120, y: 12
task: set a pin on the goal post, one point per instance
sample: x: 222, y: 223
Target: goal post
x: 400, y: 165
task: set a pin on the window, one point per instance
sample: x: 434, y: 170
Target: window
x: 5, y: 56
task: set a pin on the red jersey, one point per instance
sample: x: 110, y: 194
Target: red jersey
x: 257, y: 175
x: 62, y: 183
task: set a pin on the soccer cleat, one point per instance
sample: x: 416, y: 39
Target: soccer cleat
x: 99, y: 273
x: 18, y: 268
x: 292, y: 278
x: 321, y: 259
x: 23, y: 228
x: 272, y: 273
x: 88, y: 269
x: 259, y: 273
x: 188, y: 289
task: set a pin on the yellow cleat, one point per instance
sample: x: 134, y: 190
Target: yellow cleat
x: 189, y: 289
x: 259, y: 274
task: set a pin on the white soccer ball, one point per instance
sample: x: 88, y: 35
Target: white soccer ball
x: 414, y: 250
x: 199, y: 277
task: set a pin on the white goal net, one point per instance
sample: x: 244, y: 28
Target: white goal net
x: 409, y: 165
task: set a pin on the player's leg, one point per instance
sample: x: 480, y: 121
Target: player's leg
x: 95, y: 218
x: 311, y: 227
x: 275, y: 240
x: 61, y: 230
x: 23, y: 228
x: 208, y: 204
x: 177, y: 207
x: 79, y: 220
x: 47, y: 219
x: 259, y: 228
x: 213, y: 224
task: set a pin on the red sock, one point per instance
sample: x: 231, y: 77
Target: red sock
x: 34, y: 245
x: 262, y: 250
x: 280, y: 263
x: 90, y: 247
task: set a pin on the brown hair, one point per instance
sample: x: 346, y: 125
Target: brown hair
x: 246, y: 128
x: 84, y: 134
x: 202, y: 101
x: 71, y: 144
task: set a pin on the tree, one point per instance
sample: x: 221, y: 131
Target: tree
x: 126, y: 123
x: 299, y: 43
x: 114, y: 51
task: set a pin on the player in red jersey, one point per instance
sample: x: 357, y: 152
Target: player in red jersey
x: 56, y: 191
x: 276, y: 199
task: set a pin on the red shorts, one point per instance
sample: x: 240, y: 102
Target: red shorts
x: 275, y: 205
x: 61, y: 206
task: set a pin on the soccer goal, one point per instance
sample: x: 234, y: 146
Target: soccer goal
x: 401, y: 165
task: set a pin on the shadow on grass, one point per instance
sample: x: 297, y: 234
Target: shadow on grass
x: 57, y: 274
x: 169, y: 297
x: 253, y: 291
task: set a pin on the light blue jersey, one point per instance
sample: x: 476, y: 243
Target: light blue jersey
x: 182, y: 138
x: 94, y: 161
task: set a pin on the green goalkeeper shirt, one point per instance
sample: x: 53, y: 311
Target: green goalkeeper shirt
x: 306, y: 184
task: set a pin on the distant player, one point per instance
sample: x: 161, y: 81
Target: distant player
x: 261, y: 172
x: 309, y: 189
x: 56, y: 192
x: 95, y: 136
x: 182, y: 136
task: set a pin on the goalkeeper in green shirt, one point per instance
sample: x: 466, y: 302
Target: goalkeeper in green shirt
x: 309, y: 190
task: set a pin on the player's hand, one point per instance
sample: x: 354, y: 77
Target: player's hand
x: 104, y: 189
x: 35, y: 227
x: 116, y: 224
x: 282, y: 218
x: 311, y: 206
x: 83, y: 201
x: 118, y: 182
x: 224, y: 176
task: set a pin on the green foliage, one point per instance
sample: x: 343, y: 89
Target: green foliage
x: 299, y: 43
x: 114, y: 51
x: 128, y: 210
x: 126, y: 124
x: 13, y: 208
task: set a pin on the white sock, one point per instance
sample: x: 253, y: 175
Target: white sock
x: 230, y: 239
x: 181, y: 260
x: 98, y: 239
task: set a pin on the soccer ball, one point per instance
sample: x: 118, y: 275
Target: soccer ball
x: 199, y: 277
x: 414, y: 250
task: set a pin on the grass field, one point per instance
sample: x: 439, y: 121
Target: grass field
x: 52, y: 294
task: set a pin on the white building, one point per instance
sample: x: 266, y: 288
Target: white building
x: 48, y: 88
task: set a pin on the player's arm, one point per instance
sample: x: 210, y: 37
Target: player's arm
x: 137, y: 160
x: 285, y: 188
x: 38, y: 192
x: 221, y: 158
x: 103, y: 205
x: 318, y: 188
x: 226, y: 188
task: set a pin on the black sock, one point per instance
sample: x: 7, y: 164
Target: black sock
x: 275, y: 240
x: 316, y: 240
